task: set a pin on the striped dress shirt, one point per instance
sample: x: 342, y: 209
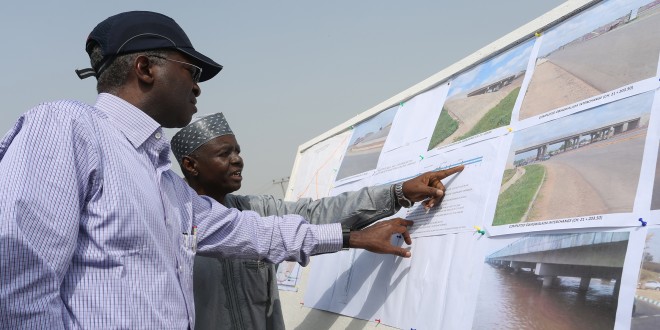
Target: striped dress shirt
x: 97, y: 232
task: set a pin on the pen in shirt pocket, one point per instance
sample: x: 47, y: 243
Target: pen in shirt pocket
x: 194, y: 238
x: 186, y: 241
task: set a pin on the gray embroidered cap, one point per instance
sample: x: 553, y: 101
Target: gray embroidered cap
x: 191, y: 137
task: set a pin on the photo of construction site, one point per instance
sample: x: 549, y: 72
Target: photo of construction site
x: 483, y: 98
x: 609, y: 46
x: 366, y: 144
x: 587, y: 163
x: 552, y: 281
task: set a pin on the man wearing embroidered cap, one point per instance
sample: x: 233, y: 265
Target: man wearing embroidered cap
x: 209, y: 156
x: 96, y: 231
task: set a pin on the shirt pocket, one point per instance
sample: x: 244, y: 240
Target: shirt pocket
x: 257, y: 278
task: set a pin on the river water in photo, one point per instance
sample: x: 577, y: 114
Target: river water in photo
x: 518, y: 301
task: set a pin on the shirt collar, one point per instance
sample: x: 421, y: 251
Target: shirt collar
x: 136, y: 125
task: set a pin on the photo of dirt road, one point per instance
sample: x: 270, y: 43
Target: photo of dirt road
x: 366, y: 144
x: 482, y: 98
x: 609, y: 46
x: 587, y: 163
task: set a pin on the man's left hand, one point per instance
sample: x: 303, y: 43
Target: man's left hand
x: 378, y: 237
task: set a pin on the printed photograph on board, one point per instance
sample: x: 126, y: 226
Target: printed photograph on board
x: 552, y: 281
x: 572, y: 166
x: 655, y: 199
x: 646, y: 307
x: 611, y: 45
x: 366, y: 144
x: 482, y: 98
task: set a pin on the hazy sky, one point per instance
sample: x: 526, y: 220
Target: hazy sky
x: 292, y: 69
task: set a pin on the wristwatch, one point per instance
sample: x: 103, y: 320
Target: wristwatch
x: 400, y: 198
x: 345, y: 237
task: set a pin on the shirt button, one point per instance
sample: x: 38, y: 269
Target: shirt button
x: 158, y: 135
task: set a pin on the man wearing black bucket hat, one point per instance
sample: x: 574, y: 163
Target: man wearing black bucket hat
x: 96, y: 231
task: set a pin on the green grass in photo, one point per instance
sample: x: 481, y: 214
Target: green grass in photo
x: 498, y: 116
x: 508, y: 174
x: 445, y: 127
x: 514, y: 202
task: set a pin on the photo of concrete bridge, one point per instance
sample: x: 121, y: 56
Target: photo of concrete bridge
x: 574, y: 141
x: 468, y: 110
x: 612, y: 55
x: 587, y: 163
x: 560, y: 281
x: 482, y: 98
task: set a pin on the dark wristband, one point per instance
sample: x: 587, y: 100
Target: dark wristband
x: 345, y: 236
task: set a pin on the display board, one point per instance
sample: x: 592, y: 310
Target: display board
x: 555, y: 221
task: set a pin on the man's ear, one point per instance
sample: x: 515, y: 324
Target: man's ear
x: 144, y: 69
x: 189, y: 165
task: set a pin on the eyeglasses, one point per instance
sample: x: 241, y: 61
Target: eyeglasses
x: 196, y: 71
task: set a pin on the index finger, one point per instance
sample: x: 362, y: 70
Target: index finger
x: 445, y: 173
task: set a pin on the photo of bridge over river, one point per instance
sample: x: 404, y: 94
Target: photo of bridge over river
x: 609, y: 46
x: 587, y: 163
x: 555, y: 281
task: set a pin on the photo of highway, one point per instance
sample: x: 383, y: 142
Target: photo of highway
x: 366, y: 144
x: 609, y: 46
x: 587, y: 163
x: 646, y: 312
x: 482, y: 98
x: 556, y: 281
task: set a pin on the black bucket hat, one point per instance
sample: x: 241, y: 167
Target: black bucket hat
x: 136, y: 31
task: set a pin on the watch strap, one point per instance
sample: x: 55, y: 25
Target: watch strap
x: 400, y: 198
x: 345, y: 236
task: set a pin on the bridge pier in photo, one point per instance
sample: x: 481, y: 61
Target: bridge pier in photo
x: 549, y: 281
x: 584, y: 283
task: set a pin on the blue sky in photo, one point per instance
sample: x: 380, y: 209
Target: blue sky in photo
x: 499, y: 67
